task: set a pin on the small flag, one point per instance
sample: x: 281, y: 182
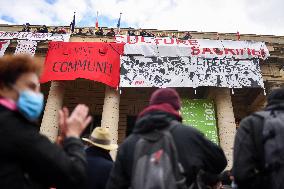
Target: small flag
x: 97, y: 22
x: 72, y: 25
x: 238, y: 35
x: 118, y: 24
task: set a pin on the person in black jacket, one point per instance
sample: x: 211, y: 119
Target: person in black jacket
x: 249, y: 163
x: 99, y: 160
x: 195, y: 151
x: 28, y: 160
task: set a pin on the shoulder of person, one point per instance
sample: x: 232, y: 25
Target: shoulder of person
x: 250, y: 121
x: 187, y: 131
x: 187, y: 128
x: 14, y: 120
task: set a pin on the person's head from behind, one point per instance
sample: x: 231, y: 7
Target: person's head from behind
x: 100, y: 138
x: 166, y: 95
x: 19, y: 81
x: 276, y: 95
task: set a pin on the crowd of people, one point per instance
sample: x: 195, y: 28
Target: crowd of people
x: 100, y: 32
x: 160, y: 153
x: 43, y: 29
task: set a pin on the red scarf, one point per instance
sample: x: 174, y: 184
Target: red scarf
x: 165, y: 107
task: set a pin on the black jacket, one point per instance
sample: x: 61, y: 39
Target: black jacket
x: 195, y: 151
x: 29, y: 160
x: 99, y: 167
x: 248, y: 168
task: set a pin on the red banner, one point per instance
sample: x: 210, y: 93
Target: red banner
x: 98, y: 61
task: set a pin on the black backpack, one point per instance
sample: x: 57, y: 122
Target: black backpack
x: 273, y: 141
x: 156, y: 164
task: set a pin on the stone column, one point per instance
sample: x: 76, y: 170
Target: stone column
x: 225, y: 120
x: 110, y: 114
x: 49, y: 124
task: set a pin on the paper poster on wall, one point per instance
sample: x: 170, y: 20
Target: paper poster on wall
x: 3, y: 46
x: 200, y: 113
x: 26, y: 47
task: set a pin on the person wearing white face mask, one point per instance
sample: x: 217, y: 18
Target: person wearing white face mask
x: 27, y: 158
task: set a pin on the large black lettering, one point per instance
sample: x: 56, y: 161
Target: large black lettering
x: 98, y: 66
x: 54, y: 65
x: 104, y: 66
x: 237, y: 63
x: 91, y: 66
x: 200, y: 61
x: 82, y: 64
x: 209, y: 62
x: 110, y: 68
x: 72, y: 66
x: 64, y: 65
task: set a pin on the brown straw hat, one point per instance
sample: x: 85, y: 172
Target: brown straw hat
x: 100, y: 137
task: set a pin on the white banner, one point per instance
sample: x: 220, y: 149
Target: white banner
x: 34, y: 36
x: 150, y: 46
x: 140, y: 71
x: 26, y: 47
x: 3, y: 46
x: 171, y: 62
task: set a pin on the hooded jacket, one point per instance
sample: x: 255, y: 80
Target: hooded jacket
x: 195, y: 151
x: 248, y: 168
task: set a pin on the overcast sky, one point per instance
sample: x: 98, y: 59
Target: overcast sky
x: 245, y: 16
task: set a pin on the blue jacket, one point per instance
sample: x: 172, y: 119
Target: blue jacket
x: 99, y: 167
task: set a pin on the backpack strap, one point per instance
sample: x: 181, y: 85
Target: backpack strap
x: 178, y: 169
x: 257, y: 136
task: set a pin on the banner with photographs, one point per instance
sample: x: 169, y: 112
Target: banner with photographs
x: 140, y: 71
x: 165, y: 62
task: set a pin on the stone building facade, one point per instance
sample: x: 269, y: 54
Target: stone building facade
x: 117, y: 109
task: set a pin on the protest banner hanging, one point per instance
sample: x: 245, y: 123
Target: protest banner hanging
x: 140, y: 71
x: 27, y: 41
x: 96, y: 61
x: 200, y: 113
x: 34, y: 36
x: 168, y: 62
x: 26, y: 47
x: 3, y: 46
x: 158, y: 46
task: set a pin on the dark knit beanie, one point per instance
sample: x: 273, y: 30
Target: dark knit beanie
x: 166, y: 95
x: 276, y: 94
